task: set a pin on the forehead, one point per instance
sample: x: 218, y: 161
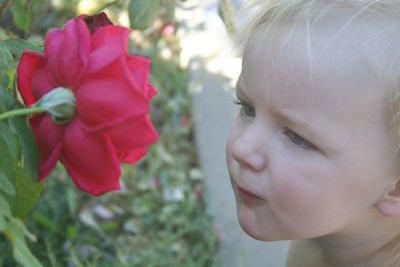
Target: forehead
x: 318, y: 68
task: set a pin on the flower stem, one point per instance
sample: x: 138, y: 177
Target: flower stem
x: 20, y: 112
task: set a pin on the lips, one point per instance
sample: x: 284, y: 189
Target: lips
x: 246, y: 195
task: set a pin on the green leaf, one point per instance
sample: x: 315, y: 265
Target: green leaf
x: 7, y: 67
x: 10, y: 140
x: 6, y: 59
x: 27, y: 194
x: 72, y: 201
x: 7, y: 101
x: 4, y: 207
x: 2, y: 223
x: 22, y: 229
x: 22, y: 254
x: 45, y: 221
x: 15, y: 230
x: 30, y: 150
x: 6, y: 162
x: 17, y: 46
x: 72, y: 231
x: 21, y: 14
x: 6, y: 185
x: 22, y: 173
x: 142, y: 13
x: 2, y: 105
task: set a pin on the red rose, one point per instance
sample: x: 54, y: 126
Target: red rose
x: 112, y: 93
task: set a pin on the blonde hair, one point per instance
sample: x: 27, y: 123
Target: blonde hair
x: 382, y: 47
x: 256, y: 12
x: 384, y: 62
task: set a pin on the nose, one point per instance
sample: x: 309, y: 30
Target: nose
x: 249, y: 150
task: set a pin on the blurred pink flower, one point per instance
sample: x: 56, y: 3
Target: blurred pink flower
x: 155, y: 181
x: 168, y: 30
x: 185, y: 122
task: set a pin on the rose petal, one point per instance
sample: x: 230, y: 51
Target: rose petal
x: 41, y: 83
x: 135, y: 132
x: 107, y: 99
x: 140, y: 70
x: 112, y: 36
x: 32, y: 79
x: 151, y: 91
x: 108, y: 44
x: 68, y: 51
x: 134, y: 155
x: 48, y: 137
x: 90, y: 160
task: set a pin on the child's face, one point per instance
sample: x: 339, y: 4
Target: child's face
x: 310, y: 147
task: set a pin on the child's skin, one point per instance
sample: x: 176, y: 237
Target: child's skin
x: 332, y: 184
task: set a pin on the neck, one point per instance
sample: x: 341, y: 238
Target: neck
x: 366, y: 244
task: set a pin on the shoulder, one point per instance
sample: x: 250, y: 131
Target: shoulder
x: 303, y: 253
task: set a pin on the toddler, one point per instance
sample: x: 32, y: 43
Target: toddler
x: 313, y: 153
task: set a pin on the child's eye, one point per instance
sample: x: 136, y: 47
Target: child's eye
x: 299, y: 141
x: 245, y: 109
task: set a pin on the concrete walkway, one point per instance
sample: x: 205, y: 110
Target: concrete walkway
x: 214, y: 67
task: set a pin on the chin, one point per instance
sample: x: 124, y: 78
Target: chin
x: 249, y: 224
x: 252, y: 233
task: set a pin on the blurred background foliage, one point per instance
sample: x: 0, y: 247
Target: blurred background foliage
x: 159, y: 218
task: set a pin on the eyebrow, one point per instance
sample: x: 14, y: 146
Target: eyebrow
x: 306, y: 128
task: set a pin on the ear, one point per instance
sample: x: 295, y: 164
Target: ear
x: 389, y: 203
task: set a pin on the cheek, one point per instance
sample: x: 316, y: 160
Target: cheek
x: 320, y: 196
x: 301, y: 198
x: 292, y: 189
x: 234, y: 134
x: 297, y: 175
x: 230, y: 141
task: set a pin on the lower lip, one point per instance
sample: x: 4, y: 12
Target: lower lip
x: 247, y: 197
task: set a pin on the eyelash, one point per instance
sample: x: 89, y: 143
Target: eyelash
x: 246, y: 110
x: 297, y: 140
